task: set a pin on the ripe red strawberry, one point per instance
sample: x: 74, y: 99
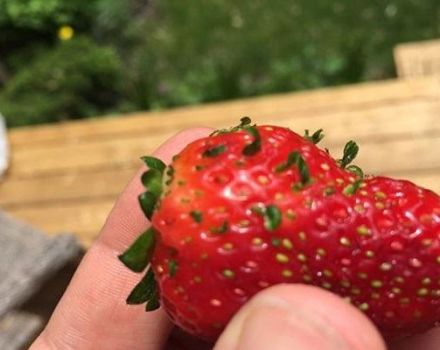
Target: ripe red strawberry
x: 255, y: 206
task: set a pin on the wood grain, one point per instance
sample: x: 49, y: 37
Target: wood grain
x: 417, y: 59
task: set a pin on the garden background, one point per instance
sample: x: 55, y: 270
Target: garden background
x: 71, y: 59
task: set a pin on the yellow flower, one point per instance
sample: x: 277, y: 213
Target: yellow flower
x: 66, y: 32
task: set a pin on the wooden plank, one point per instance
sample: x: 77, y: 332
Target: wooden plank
x: 83, y: 218
x: 417, y: 59
x: 64, y: 187
x: 409, y: 120
x: 341, y: 99
x: 92, y: 156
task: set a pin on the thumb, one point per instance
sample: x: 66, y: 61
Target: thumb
x: 299, y: 317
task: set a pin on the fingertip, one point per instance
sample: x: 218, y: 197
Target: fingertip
x: 300, y: 317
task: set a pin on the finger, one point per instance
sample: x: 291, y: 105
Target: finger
x: 92, y: 313
x: 302, y: 318
x: 427, y: 341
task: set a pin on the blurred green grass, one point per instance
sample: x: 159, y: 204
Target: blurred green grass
x: 138, y: 55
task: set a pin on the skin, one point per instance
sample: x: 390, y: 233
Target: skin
x: 93, y: 315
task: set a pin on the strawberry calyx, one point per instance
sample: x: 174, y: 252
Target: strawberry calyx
x: 138, y: 255
x: 316, y: 137
x: 351, y: 150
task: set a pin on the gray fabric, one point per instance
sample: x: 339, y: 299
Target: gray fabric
x: 27, y: 259
x: 18, y: 329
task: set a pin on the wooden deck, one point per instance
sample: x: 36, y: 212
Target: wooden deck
x: 65, y: 177
x: 417, y: 59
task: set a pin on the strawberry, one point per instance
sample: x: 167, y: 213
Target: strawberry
x: 254, y: 206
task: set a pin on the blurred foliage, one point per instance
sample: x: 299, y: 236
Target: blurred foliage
x: 174, y: 52
x: 74, y: 79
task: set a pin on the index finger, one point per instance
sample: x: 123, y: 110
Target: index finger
x: 93, y: 313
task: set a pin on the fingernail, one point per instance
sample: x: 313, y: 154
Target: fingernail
x: 273, y: 323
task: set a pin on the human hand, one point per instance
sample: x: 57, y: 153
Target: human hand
x: 93, y: 314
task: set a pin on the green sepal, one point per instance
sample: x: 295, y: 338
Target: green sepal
x: 245, y: 121
x: 351, y: 189
x: 152, y: 180
x: 295, y: 158
x: 154, y: 163
x: 303, y: 170
x: 272, y: 217
x: 255, y: 146
x: 356, y: 170
x: 214, y: 151
x: 316, y: 137
x: 351, y: 150
x: 138, y: 255
x: 153, y: 303
x: 148, y: 200
x: 144, y: 290
x: 292, y: 159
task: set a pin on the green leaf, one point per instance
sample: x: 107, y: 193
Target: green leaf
x: 196, y: 216
x: 154, y: 163
x: 351, y: 150
x: 215, y: 151
x: 316, y: 137
x: 144, y: 290
x: 153, y: 303
x: 255, y: 146
x: 272, y: 217
x: 148, y: 200
x: 152, y: 180
x: 138, y: 255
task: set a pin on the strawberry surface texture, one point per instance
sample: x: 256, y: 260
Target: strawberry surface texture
x: 254, y: 206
